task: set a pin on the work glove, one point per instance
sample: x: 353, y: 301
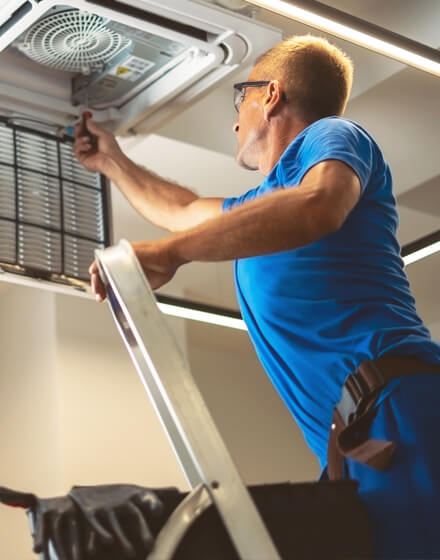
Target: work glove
x: 54, y: 520
x: 118, y: 516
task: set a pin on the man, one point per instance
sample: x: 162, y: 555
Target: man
x: 319, y: 280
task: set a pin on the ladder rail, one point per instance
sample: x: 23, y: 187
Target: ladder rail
x: 165, y: 374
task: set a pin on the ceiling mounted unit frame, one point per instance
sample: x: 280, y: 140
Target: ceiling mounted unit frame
x: 135, y: 64
x: 164, y: 56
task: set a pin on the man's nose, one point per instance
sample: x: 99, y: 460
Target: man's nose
x: 235, y: 127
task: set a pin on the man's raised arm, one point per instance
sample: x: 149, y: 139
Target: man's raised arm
x: 161, y: 202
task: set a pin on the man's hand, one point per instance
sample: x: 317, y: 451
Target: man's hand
x: 157, y: 259
x: 99, y: 158
x: 96, y: 283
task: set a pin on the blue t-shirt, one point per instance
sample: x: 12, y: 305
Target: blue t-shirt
x: 315, y: 313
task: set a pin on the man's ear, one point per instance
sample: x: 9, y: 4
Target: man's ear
x: 272, y: 99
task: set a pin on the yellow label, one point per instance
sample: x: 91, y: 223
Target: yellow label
x: 121, y: 71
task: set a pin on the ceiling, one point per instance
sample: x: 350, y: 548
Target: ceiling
x: 400, y: 106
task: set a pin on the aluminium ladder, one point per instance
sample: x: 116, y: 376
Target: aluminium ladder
x: 199, y: 448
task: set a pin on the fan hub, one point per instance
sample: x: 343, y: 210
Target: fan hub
x: 76, y: 41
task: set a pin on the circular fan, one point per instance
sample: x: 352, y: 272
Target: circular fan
x: 74, y: 41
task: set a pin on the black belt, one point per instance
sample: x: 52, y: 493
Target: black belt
x: 353, y: 414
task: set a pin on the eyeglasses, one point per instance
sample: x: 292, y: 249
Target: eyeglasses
x: 240, y: 91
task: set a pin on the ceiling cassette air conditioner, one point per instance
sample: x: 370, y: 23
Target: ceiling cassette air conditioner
x: 135, y: 63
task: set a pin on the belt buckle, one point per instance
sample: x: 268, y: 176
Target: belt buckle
x: 347, y: 406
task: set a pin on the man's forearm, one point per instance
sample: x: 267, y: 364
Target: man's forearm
x: 159, y: 201
x: 277, y: 222
x: 285, y: 219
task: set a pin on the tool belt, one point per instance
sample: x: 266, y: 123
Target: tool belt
x: 355, y: 411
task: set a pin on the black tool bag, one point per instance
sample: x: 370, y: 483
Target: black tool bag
x: 315, y: 521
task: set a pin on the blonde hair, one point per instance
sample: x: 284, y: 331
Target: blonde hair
x: 316, y: 76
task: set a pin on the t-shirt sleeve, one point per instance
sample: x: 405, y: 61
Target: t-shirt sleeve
x: 233, y: 202
x: 331, y: 139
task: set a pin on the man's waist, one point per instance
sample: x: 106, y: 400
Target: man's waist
x: 372, y: 376
x: 354, y: 412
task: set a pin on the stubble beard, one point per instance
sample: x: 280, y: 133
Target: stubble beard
x: 247, y: 154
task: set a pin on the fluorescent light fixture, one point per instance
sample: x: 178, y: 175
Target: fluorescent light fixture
x: 422, y: 253
x: 421, y: 248
x: 196, y: 311
x: 203, y: 316
x: 358, y: 31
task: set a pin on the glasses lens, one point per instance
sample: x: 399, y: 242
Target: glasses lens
x: 238, y: 98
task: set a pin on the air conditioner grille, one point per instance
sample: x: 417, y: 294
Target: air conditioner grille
x: 53, y: 212
x: 38, y: 199
x: 82, y: 209
x: 77, y: 254
x: 74, y: 41
x: 39, y: 249
x: 37, y: 153
x: 7, y: 191
x: 7, y: 241
x: 6, y: 145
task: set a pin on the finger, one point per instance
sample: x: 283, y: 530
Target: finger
x: 83, y: 148
x: 95, y: 128
x: 144, y: 531
x: 102, y: 292
x: 83, y: 154
x: 84, y: 151
x: 123, y: 541
x: 98, y: 287
x: 95, y: 283
x: 93, y: 268
x: 81, y: 131
x: 81, y: 141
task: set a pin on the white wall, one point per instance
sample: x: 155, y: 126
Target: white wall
x: 259, y: 431
x: 73, y: 411
x: 30, y: 435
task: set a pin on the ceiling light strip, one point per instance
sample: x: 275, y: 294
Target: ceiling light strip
x: 202, y: 316
x: 196, y: 311
x: 355, y: 30
x: 421, y: 248
x: 422, y: 253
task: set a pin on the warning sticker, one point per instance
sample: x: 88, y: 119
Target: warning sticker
x: 132, y: 69
x: 121, y: 70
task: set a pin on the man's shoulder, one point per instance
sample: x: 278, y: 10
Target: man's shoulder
x: 333, y: 133
x: 329, y: 138
x: 335, y: 124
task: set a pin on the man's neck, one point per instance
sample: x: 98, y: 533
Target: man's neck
x: 281, y: 133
